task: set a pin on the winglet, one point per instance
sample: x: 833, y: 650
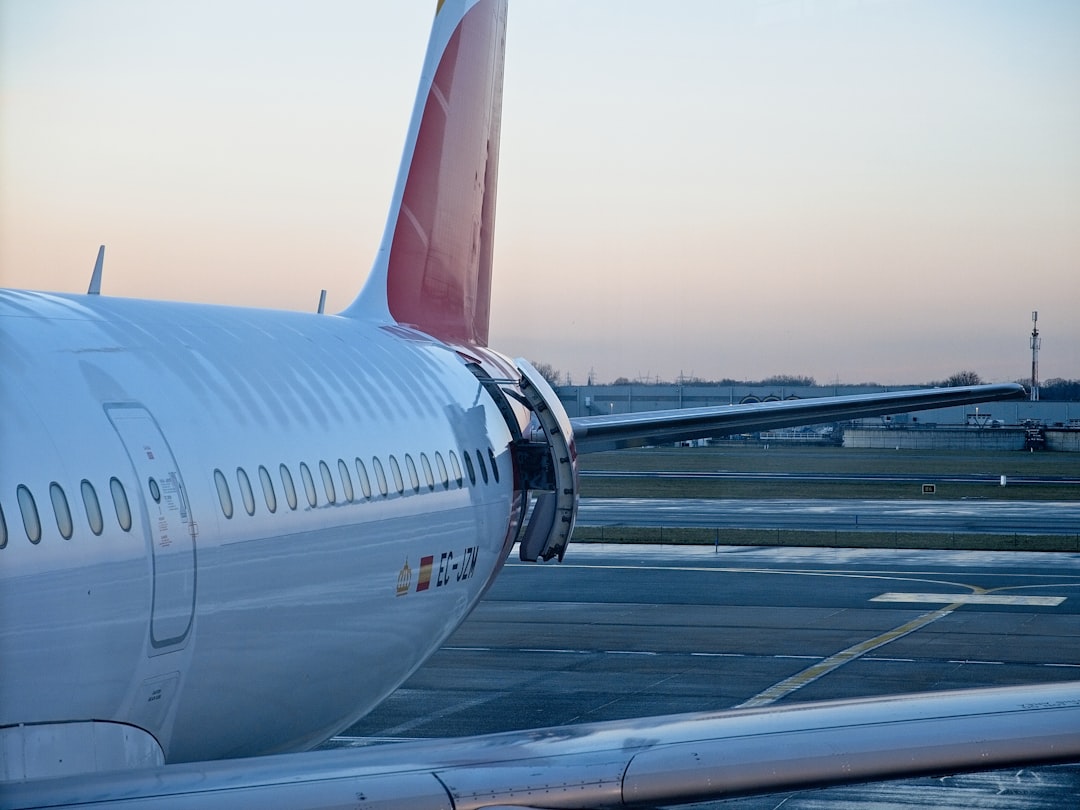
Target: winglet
x: 433, y: 269
x: 95, y: 277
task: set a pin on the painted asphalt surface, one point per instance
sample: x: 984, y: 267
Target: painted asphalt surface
x: 844, y: 514
x: 617, y: 632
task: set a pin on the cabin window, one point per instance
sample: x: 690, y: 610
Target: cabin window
x: 245, y: 490
x: 268, y: 489
x: 380, y: 476
x: 346, y: 480
x: 309, y: 485
x: 31, y: 521
x: 456, y: 468
x: 327, y: 482
x: 410, y: 467
x: 224, y: 496
x: 395, y: 470
x: 429, y: 477
x: 469, y: 468
x: 121, y: 505
x: 288, y: 486
x: 61, y: 510
x: 494, y: 464
x: 483, y: 467
x: 444, y: 477
x: 3, y: 529
x: 365, y: 482
x: 92, y: 507
x: 155, y: 490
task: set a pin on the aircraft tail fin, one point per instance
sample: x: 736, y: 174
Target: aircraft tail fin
x: 433, y: 269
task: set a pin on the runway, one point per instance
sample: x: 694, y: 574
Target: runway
x: 845, y: 514
x: 617, y: 632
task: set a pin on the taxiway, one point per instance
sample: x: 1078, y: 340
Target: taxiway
x: 618, y: 632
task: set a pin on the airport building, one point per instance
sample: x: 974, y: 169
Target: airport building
x: 1011, y: 425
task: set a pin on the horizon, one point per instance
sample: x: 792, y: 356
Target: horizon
x: 558, y: 378
x: 846, y: 190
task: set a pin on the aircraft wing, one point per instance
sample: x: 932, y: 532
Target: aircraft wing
x: 610, y: 432
x: 633, y: 763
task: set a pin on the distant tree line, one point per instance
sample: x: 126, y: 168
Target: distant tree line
x: 549, y: 373
x: 959, y: 378
x: 1057, y: 389
x: 789, y: 380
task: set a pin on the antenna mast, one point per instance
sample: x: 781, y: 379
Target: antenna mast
x: 1036, y: 342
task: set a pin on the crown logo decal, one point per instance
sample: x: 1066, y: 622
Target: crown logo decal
x: 404, y: 579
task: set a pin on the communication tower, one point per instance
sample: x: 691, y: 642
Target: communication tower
x: 1036, y: 342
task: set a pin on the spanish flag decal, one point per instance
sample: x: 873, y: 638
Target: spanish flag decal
x: 423, y: 582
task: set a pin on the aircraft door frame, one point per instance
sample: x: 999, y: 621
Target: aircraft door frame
x: 170, y: 527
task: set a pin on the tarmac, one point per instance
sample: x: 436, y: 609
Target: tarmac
x: 628, y: 631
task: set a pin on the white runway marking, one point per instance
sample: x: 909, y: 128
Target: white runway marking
x: 971, y: 599
x: 844, y: 657
x: 719, y: 655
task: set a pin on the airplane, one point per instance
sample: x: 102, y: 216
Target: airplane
x: 226, y: 534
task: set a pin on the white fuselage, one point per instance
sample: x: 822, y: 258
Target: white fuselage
x: 272, y: 628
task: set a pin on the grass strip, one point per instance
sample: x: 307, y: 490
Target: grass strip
x: 687, y: 536
x: 601, y: 487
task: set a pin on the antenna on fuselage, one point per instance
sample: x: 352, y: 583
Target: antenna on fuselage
x: 322, y: 302
x: 95, y: 278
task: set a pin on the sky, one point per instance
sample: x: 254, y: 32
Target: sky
x: 853, y: 190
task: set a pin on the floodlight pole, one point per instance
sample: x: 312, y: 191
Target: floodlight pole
x: 1036, y: 342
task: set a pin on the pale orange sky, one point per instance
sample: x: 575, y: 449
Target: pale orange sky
x: 878, y: 190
